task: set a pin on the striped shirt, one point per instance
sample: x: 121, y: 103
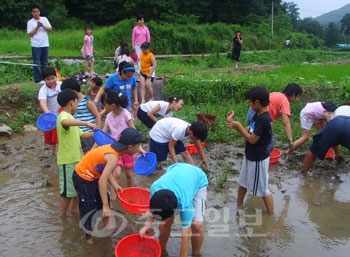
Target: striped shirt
x: 83, y: 113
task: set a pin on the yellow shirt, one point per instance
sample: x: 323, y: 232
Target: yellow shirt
x: 146, y: 63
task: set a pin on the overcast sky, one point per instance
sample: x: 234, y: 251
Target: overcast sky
x: 314, y: 8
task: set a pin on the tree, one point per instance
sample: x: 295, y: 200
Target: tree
x: 292, y: 9
x: 332, y: 35
x: 345, y: 27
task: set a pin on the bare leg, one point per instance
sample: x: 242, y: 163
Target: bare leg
x: 187, y: 157
x: 64, y: 206
x: 240, y: 196
x: 164, y: 231
x: 129, y: 177
x: 268, y: 200
x: 53, y: 148
x: 92, y: 66
x: 149, y: 89
x: 74, y: 205
x: 142, y: 89
x: 197, y: 236
x: 308, y: 161
x: 86, y: 65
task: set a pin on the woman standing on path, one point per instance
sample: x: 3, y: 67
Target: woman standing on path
x: 140, y: 34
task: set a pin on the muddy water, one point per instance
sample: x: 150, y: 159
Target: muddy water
x: 311, y: 213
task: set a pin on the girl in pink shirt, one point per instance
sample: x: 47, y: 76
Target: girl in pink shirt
x: 88, y: 50
x: 118, y: 119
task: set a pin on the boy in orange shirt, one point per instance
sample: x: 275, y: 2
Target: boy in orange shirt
x: 92, y: 174
x: 148, y: 67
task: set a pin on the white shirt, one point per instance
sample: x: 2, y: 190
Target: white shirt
x: 343, y: 110
x: 40, y: 38
x: 168, y: 128
x: 147, y: 107
x: 50, y: 94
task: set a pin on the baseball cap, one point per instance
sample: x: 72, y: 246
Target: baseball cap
x: 163, y: 204
x: 129, y: 136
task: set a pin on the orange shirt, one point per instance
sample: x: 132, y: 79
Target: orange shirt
x: 146, y: 63
x: 92, y: 164
x: 279, y: 104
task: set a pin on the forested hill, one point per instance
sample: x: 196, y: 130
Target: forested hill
x: 333, y: 16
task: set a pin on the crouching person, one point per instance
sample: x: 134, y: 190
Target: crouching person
x: 92, y: 174
x: 181, y: 190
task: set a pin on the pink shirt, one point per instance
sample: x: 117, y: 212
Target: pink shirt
x: 116, y: 124
x: 140, y: 35
x: 279, y: 105
x: 88, y: 47
x: 314, y: 111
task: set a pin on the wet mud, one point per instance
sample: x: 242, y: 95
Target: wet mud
x: 311, y: 213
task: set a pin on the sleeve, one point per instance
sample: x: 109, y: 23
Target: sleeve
x: 148, y: 36
x: 133, y: 35
x: 285, y: 108
x: 46, y: 22
x: 42, y: 93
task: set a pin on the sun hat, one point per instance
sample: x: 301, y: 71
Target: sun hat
x: 163, y: 204
x: 129, y: 136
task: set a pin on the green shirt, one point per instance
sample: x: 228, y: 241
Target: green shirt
x: 69, y: 146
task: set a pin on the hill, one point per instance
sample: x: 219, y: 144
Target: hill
x: 333, y: 16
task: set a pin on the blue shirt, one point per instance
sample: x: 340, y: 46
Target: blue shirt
x: 121, y: 86
x: 184, y: 180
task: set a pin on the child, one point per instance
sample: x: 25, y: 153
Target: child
x: 123, y: 82
x: 254, y: 175
x: 280, y: 107
x: 118, y: 119
x: 88, y: 50
x: 148, y: 111
x: 148, y: 66
x: 236, y: 47
x: 167, y: 134
x: 69, y: 152
x: 181, y: 190
x: 86, y: 111
x: 124, y: 56
x: 95, y: 84
x: 92, y: 173
x: 313, y: 114
x: 47, y: 97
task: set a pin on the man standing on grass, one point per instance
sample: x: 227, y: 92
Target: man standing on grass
x: 37, y: 29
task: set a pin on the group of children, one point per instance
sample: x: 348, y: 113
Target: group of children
x: 83, y: 178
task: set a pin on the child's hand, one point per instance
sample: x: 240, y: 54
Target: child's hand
x: 92, y: 126
x: 142, y: 151
x: 232, y: 124
x: 117, y: 189
x: 230, y: 115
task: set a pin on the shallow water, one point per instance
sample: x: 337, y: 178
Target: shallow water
x: 311, y: 213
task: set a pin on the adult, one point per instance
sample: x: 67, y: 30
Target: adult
x: 148, y: 112
x: 288, y: 43
x: 236, y: 47
x: 123, y: 82
x: 37, y: 28
x: 140, y: 34
x: 167, y: 135
x: 336, y: 132
x: 169, y: 197
x: 280, y: 107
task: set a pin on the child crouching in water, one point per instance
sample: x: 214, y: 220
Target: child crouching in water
x: 92, y: 174
x: 254, y: 176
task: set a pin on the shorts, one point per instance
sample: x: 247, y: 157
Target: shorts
x: 67, y: 188
x: 161, y: 150
x: 255, y: 177
x: 336, y: 132
x: 89, y: 58
x: 145, y: 77
x: 127, y: 161
x: 142, y: 115
x: 236, y: 54
x: 199, y: 204
x: 87, y: 144
x: 306, y: 122
x: 50, y: 137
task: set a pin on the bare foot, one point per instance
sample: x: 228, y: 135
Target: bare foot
x: 88, y: 239
x: 107, y: 223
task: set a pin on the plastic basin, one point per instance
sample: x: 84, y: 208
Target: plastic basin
x: 134, y: 199
x: 145, y: 165
x: 46, y: 121
x: 103, y: 138
x: 135, y: 246
x: 275, y: 155
x: 192, y: 148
